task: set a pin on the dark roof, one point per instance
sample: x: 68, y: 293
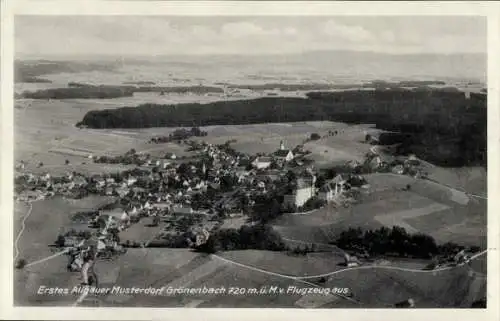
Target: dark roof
x: 282, y: 153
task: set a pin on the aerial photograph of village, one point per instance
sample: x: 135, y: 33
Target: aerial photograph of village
x: 250, y: 161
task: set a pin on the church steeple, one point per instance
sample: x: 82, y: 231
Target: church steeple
x: 282, y: 145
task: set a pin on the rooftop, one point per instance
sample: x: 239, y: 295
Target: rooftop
x: 263, y: 159
x: 282, y: 152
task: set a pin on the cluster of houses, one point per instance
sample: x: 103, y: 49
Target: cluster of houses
x: 30, y: 187
x: 398, y: 165
x: 167, y: 188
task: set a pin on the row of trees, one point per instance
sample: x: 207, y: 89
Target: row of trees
x: 324, y: 86
x: 256, y: 237
x: 82, y: 91
x: 78, y: 93
x: 396, y: 241
x: 179, y: 134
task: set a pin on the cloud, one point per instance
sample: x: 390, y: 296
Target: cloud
x: 352, y: 33
x: 246, y: 29
x: 70, y: 35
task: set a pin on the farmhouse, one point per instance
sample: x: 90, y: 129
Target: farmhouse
x: 351, y: 261
x: 186, y: 210
x: 100, y: 182
x: 380, y: 161
x: 71, y: 240
x: 332, y: 189
x: 79, y: 180
x: 262, y: 162
x: 170, y: 156
x: 398, y: 169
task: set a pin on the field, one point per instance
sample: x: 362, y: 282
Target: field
x: 39, y: 137
x: 34, y: 234
x: 379, y: 287
x: 46, y: 220
x: 180, y: 268
x: 428, y: 208
x: 141, y: 231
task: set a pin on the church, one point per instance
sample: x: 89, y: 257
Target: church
x: 283, y: 154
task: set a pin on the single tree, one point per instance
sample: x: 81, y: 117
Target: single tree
x: 315, y: 136
x: 20, y: 264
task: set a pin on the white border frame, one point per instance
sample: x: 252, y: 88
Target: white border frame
x: 232, y: 8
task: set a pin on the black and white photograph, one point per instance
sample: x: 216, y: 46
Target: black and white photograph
x: 250, y: 161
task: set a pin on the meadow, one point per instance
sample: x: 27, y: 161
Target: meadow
x: 427, y: 208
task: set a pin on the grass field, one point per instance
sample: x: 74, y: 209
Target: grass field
x: 427, y: 208
x: 47, y: 219
x: 377, y: 288
x: 141, y: 231
x: 39, y: 137
x: 251, y: 269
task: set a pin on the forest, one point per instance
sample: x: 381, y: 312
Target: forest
x: 443, y: 127
x: 395, y: 241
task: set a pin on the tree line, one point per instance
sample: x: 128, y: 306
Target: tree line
x: 179, y: 134
x: 255, y: 237
x: 395, y: 242
x: 427, y: 118
x: 87, y: 91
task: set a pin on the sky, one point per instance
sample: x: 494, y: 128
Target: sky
x: 175, y: 35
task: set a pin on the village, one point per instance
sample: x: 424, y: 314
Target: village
x: 192, y: 197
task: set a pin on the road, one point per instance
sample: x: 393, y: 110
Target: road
x: 23, y: 226
x: 303, y: 279
x: 383, y: 267
x: 84, y: 295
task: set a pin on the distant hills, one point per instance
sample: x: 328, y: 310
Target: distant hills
x: 29, y: 70
x: 350, y: 64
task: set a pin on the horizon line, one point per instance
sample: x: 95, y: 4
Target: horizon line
x: 23, y: 56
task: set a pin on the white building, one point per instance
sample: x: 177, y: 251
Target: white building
x: 262, y: 162
x: 303, y: 192
x: 171, y: 156
x: 351, y: 261
x: 182, y: 209
x: 398, y: 169
x: 131, y: 180
x: 332, y: 189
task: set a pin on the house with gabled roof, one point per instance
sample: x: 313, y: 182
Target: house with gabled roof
x: 332, y: 189
x: 285, y: 155
x: 262, y: 162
